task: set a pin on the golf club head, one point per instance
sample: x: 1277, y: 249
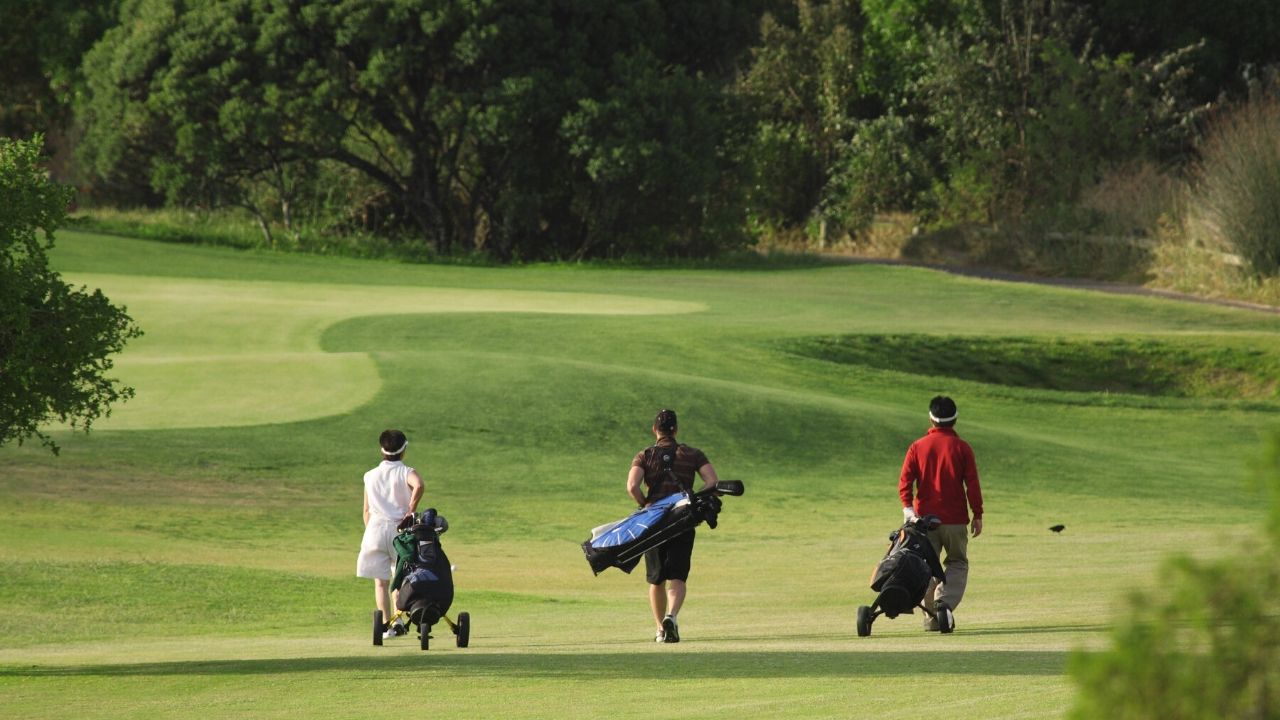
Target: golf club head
x: 729, y: 487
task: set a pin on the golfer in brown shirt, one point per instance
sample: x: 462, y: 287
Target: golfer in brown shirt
x: 666, y: 468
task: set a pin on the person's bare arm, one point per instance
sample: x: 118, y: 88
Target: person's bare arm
x: 415, y: 490
x: 634, y: 478
x: 708, y: 475
x: 366, y: 506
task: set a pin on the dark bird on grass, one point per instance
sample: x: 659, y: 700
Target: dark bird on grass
x: 1058, y: 528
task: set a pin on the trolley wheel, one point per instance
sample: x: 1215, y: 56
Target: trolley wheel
x: 424, y: 635
x: 378, y: 627
x: 463, y: 629
x: 946, y: 620
x: 864, y: 621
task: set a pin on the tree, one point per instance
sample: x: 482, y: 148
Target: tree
x: 803, y: 86
x: 55, y: 341
x: 636, y: 189
x: 1238, y: 36
x: 1027, y: 111
x: 467, y: 114
x: 42, y: 44
x: 187, y: 94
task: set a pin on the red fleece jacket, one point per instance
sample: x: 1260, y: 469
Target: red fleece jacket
x: 941, y: 470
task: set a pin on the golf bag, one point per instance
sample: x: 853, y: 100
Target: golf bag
x: 423, y: 575
x: 621, y: 544
x: 902, y: 577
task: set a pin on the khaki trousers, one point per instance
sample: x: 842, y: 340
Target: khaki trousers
x: 952, y: 545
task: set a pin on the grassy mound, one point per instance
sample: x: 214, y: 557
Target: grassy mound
x: 1141, y: 366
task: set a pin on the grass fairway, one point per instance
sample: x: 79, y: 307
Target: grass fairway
x: 194, y: 556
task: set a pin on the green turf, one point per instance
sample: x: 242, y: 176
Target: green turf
x: 193, y: 556
x: 1144, y: 366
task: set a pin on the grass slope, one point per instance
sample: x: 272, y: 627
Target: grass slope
x: 194, y: 555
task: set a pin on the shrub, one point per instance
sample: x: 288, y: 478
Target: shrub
x: 880, y: 170
x: 1210, y: 650
x: 1207, y: 647
x: 1020, y: 96
x: 1237, y: 194
x: 1133, y: 199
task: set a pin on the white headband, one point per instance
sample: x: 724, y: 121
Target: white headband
x: 395, y: 452
x: 937, y: 419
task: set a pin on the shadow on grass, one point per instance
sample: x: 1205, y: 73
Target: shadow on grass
x: 595, y: 666
x: 1147, y: 367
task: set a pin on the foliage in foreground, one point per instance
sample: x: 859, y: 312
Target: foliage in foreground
x: 1206, y: 645
x: 55, y: 341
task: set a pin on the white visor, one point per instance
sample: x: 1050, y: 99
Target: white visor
x: 937, y: 419
x: 389, y: 453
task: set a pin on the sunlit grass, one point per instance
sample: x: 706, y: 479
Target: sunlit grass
x: 194, y: 567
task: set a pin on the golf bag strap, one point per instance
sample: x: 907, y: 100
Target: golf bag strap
x: 668, y: 467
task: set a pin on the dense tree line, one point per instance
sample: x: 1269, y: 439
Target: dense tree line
x: 574, y: 128
x: 521, y: 128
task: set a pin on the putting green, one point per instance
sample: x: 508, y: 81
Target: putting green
x: 225, y: 353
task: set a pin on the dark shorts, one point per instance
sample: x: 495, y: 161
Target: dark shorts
x: 669, y: 561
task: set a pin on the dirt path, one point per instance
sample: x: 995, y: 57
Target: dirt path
x: 1073, y: 283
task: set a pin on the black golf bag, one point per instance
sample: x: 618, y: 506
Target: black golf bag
x: 621, y: 544
x: 423, y: 575
x: 903, y: 575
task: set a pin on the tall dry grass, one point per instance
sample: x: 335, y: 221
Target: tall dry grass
x: 1133, y: 200
x: 1235, y: 198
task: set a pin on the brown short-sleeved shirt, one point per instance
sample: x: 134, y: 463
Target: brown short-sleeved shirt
x: 686, y: 464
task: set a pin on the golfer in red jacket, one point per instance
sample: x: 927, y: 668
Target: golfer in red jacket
x: 940, y: 477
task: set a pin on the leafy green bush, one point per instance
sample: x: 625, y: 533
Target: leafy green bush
x: 881, y: 169
x: 1025, y: 105
x: 804, y: 87
x: 637, y: 189
x: 1205, y: 645
x: 783, y: 175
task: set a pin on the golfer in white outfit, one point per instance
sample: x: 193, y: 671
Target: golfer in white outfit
x: 391, y: 493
